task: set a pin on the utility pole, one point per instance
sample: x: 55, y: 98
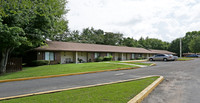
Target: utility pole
x: 180, y: 48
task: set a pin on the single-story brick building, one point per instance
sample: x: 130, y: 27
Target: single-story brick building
x: 68, y: 52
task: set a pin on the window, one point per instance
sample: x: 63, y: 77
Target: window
x: 133, y: 56
x: 96, y: 55
x: 49, y: 56
x: 109, y: 54
x: 139, y: 55
x: 159, y: 55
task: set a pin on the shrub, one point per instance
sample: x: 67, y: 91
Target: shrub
x: 99, y: 59
x: 80, y: 60
x: 107, y: 58
x: 39, y: 62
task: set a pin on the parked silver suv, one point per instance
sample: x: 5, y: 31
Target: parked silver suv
x: 162, y: 57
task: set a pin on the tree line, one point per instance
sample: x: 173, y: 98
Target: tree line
x: 98, y: 36
x: 190, y: 42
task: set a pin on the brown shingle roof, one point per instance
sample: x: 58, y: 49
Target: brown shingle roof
x: 161, y: 51
x: 69, y: 46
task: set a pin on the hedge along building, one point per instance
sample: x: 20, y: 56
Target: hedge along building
x: 68, y: 52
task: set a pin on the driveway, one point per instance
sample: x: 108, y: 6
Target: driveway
x: 181, y: 84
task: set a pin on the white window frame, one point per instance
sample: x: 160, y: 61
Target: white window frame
x: 140, y: 55
x: 133, y: 56
x: 109, y: 54
x: 49, y: 56
x: 96, y: 55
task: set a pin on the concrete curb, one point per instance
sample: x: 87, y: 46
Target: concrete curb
x: 153, y: 64
x: 140, y: 97
x: 135, y: 61
x: 51, y: 76
x: 59, y: 90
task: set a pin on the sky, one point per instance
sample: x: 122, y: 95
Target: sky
x: 162, y: 19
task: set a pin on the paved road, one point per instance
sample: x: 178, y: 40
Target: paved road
x: 181, y: 84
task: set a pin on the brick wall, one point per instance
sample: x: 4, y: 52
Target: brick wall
x: 40, y: 55
x: 57, y: 58
x: 92, y: 57
x: 129, y: 57
x: 103, y: 54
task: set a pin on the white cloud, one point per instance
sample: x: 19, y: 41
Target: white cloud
x: 163, y: 19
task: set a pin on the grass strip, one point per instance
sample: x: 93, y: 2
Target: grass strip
x: 111, y: 93
x: 139, y: 63
x: 185, y: 59
x: 61, y: 69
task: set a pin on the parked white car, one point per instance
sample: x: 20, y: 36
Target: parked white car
x: 175, y: 57
x: 162, y: 57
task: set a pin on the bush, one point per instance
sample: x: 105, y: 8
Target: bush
x: 39, y: 62
x: 107, y: 58
x: 99, y: 59
x: 80, y: 60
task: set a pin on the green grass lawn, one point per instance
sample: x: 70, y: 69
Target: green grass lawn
x: 61, y: 69
x: 111, y: 93
x: 138, y: 63
x: 185, y: 59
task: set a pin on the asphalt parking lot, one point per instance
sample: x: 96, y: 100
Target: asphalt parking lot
x: 181, y: 84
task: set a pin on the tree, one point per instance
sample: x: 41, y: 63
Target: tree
x: 141, y: 43
x: 92, y: 36
x: 175, y: 46
x: 187, y: 39
x: 112, y: 38
x: 10, y: 38
x: 194, y: 45
x: 98, y: 36
x: 29, y: 23
x: 186, y: 42
x: 130, y: 42
x: 73, y: 36
x: 61, y: 31
x: 152, y: 43
x: 166, y: 45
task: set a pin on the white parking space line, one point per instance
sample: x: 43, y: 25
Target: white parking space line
x: 120, y: 74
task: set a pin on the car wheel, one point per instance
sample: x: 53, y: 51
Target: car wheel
x: 150, y: 59
x: 165, y: 59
